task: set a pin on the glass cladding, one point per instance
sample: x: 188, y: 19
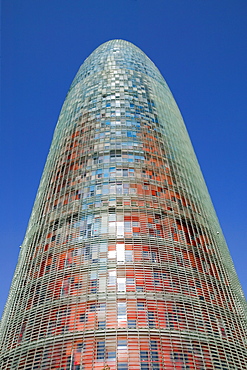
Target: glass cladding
x: 123, y: 265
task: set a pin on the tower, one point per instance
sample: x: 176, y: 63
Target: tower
x: 123, y: 265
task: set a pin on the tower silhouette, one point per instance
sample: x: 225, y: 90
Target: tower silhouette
x: 124, y: 265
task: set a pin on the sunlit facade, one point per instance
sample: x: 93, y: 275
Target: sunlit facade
x: 124, y: 265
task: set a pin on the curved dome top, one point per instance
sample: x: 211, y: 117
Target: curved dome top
x: 118, y: 54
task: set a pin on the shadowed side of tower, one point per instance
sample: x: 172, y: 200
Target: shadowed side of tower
x: 124, y: 263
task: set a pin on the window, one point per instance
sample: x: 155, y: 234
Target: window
x: 180, y: 357
x: 111, y: 254
x: 122, y: 345
x: 94, y: 285
x: 122, y: 311
x: 154, y: 256
x: 156, y: 277
x: 130, y: 281
x: 82, y: 317
x: 92, y: 307
x: 112, y: 277
x: 151, y: 321
x: 111, y: 355
x: 133, y: 191
x: 101, y: 324
x: 221, y: 327
x: 122, y: 366
x: 121, y: 283
x: 170, y: 320
x: 128, y: 256
x: 102, y: 307
x: 127, y: 226
x: 120, y: 248
x: 145, y: 255
x: 154, y: 354
x: 135, y: 223
x: 140, y: 306
x: 80, y: 347
x: 100, y: 350
x: 131, y: 323
x: 144, y: 360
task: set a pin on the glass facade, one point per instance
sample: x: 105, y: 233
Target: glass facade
x: 124, y: 265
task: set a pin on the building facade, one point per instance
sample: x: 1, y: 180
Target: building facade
x: 124, y: 265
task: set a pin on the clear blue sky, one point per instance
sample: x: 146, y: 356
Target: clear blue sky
x: 200, y: 47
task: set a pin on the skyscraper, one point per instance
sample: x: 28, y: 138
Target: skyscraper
x: 124, y: 265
